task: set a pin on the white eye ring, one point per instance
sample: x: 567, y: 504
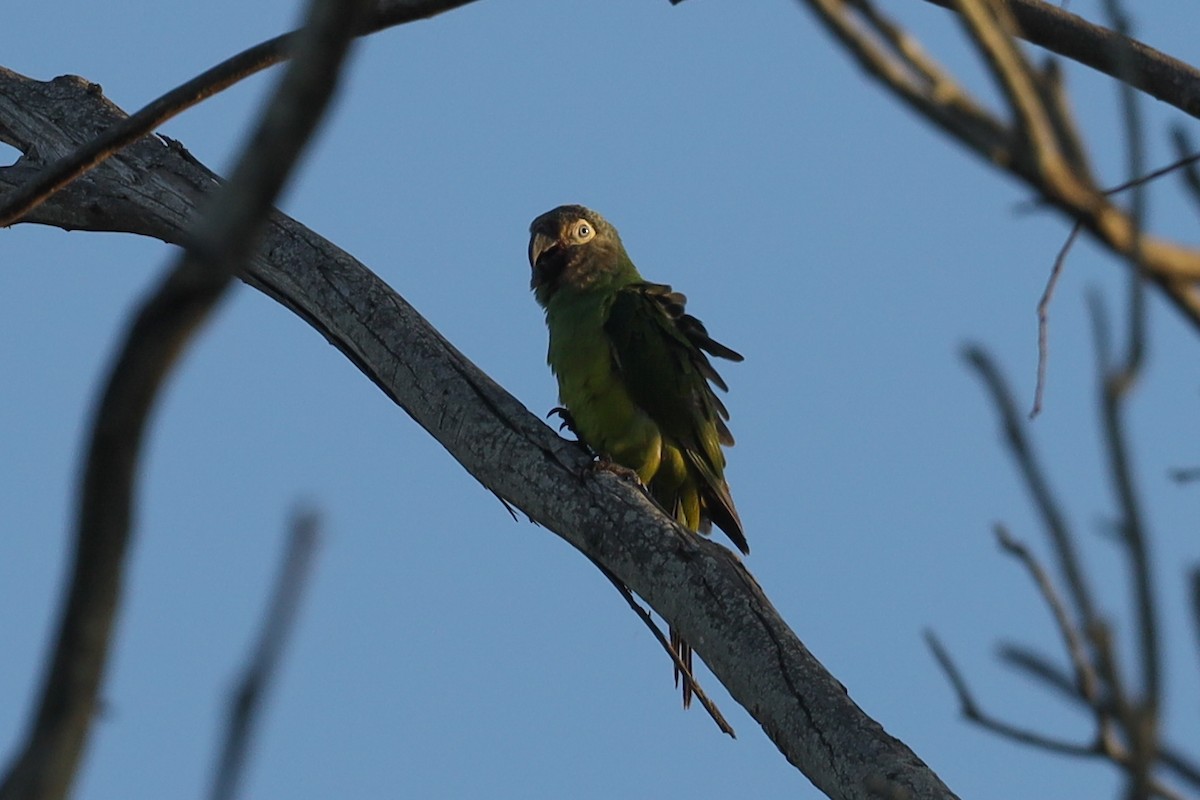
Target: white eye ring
x: 583, y: 231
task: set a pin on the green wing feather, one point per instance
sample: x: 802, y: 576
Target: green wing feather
x: 661, y: 354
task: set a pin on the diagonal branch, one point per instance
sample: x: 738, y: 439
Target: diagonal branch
x: 698, y: 586
x: 1042, y: 669
x: 1034, y: 476
x: 1057, y: 174
x: 1058, y: 30
x: 71, y: 165
x: 971, y: 710
x: 247, y: 698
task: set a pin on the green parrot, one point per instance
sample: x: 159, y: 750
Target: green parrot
x: 633, y: 374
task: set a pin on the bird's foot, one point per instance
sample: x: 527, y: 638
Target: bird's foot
x: 607, y: 465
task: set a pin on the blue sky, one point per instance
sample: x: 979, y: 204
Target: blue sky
x: 443, y: 650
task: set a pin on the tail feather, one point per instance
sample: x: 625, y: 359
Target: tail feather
x: 684, y: 651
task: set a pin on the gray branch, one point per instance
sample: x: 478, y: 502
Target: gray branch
x: 702, y: 589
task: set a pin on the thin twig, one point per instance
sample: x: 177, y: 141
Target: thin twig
x: 971, y: 711
x: 1141, y: 724
x: 1043, y: 315
x: 261, y: 668
x: 1185, y: 474
x: 1188, y: 158
x: 1115, y: 384
x: 47, y: 763
x: 1051, y: 675
x: 688, y: 678
x: 1060, y: 534
x: 1086, y: 681
x: 250, y: 61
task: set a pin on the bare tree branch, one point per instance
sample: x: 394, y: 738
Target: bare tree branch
x: 387, y: 13
x: 1040, y: 148
x: 1143, y: 726
x: 1032, y: 473
x: 972, y: 712
x: 1041, y: 668
x: 247, y: 699
x: 1087, y: 684
x: 48, y: 761
x: 698, y: 586
x: 1043, y: 315
x: 1059, y: 31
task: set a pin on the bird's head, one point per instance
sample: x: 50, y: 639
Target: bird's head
x: 574, y: 247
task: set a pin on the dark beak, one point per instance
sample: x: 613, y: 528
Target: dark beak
x: 539, y: 243
x: 542, y: 261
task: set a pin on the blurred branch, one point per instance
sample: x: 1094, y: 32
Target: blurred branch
x: 1116, y: 382
x: 1040, y: 145
x: 1186, y: 153
x: 1087, y: 684
x: 1163, y: 77
x: 698, y: 586
x: 246, y: 701
x: 68, y: 167
x: 1194, y: 593
x: 1039, y: 667
x: 1126, y: 729
x: 161, y: 329
x: 1035, y: 480
x: 971, y: 711
x: 1114, y: 386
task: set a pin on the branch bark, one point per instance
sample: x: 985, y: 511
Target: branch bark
x: 152, y: 189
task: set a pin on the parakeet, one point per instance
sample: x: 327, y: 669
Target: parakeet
x: 633, y: 374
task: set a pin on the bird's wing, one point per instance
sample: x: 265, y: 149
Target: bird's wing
x: 661, y: 353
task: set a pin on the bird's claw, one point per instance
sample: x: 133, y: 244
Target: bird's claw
x: 568, y: 421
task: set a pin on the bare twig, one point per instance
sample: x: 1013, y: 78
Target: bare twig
x: 1043, y: 315
x: 246, y: 700
x: 645, y: 617
x: 1158, y: 74
x: 1185, y: 474
x: 1060, y: 535
x: 1041, y: 668
x: 1086, y: 681
x: 1187, y: 160
x: 70, y: 166
x: 1115, y: 384
x: 970, y: 710
x: 47, y: 763
x: 1118, y: 384
x: 1041, y: 150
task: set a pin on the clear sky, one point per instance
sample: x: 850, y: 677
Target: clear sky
x: 443, y: 650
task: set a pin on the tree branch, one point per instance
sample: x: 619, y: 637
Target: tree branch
x: 246, y: 700
x: 1045, y: 157
x: 70, y: 166
x: 696, y: 585
x: 1161, y: 76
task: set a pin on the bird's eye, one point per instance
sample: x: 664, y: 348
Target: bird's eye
x: 583, y: 231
